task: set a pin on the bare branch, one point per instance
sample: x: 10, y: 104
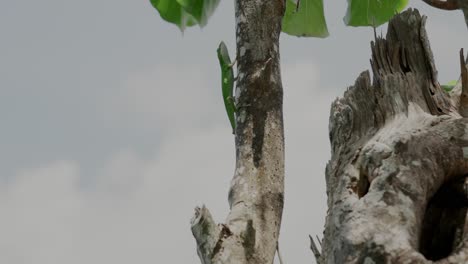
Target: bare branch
x: 206, y: 233
x: 444, y: 5
x: 319, y: 240
x: 463, y: 108
x: 279, y: 254
x: 314, y: 249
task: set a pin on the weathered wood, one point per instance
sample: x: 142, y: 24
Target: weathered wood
x: 397, y: 144
x: 314, y: 248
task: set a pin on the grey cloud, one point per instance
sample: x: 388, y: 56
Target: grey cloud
x: 118, y: 117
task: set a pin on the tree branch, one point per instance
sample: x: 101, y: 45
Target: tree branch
x: 444, y: 5
x: 314, y: 249
x: 451, y: 5
x: 206, y: 233
x: 279, y: 254
x: 463, y: 107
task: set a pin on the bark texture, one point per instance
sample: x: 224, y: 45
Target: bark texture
x: 396, y: 179
x: 251, y: 230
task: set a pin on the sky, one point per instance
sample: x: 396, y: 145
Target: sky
x: 113, y: 127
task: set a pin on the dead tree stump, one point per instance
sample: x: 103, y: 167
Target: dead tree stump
x: 396, y: 179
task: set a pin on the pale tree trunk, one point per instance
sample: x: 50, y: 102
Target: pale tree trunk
x: 396, y: 179
x: 450, y: 5
x: 251, y: 230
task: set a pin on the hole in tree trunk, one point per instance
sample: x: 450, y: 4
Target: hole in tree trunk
x: 362, y: 186
x: 444, y: 220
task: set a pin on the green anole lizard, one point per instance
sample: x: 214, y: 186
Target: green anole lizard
x: 227, y: 83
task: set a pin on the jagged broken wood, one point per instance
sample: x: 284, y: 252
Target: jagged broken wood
x: 314, y: 249
x: 451, y: 5
x: 463, y: 102
x: 396, y: 178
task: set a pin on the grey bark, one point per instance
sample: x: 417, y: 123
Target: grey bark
x: 396, y: 179
x: 250, y: 233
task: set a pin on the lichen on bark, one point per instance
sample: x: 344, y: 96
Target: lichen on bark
x: 257, y: 187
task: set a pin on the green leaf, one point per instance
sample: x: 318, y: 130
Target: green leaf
x: 308, y: 21
x: 185, y: 13
x: 449, y: 86
x: 173, y: 12
x: 201, y: 10
x: 372, y: 12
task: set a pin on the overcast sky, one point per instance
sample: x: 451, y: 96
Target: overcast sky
x: 113, y: 127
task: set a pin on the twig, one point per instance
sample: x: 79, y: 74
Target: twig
x: 445, y: 5
x: 320, y: 241
x: 206, y: 233
x: 464, y: 80
x: 373, y: 26
x: 279, y: 254
x: 314, y: 249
